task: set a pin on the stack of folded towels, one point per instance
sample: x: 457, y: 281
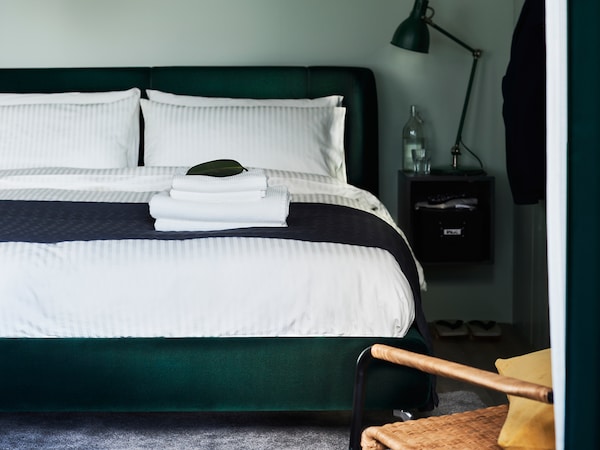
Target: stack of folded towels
x: 206, y: 203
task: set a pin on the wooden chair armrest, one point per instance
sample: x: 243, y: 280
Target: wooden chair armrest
x: 448, y: 369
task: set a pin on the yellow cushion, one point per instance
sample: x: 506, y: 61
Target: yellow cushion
x: 529, y: 424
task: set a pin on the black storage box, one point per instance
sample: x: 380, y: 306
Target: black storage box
x: 451, y: 235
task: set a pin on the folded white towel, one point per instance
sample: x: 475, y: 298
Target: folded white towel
x: 248, y: 180
x: 197, y: 225
x: 274, y: 207
x: 218, y: 197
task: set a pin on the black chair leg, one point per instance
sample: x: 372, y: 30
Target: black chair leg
x: 358, y: 401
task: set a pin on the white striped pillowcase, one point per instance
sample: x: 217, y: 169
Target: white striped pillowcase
x: 307, y: 140
x: 82, y: 134
x: 195, y: 100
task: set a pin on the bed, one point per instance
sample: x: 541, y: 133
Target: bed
x: 141, y: 363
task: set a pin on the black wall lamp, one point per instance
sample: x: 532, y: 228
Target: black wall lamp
x: 413, y: 34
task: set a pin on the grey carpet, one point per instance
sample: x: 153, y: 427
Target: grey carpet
x: 256, y: 431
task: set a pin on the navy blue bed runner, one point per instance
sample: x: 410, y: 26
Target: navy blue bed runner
x: 53, y: 221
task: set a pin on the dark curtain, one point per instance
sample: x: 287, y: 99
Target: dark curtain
x: 582, y: 430
x: 524, y: 108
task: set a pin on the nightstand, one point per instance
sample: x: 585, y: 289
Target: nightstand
x: 448, y: 219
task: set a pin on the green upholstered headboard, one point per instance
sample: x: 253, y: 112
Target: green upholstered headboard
x: 356, y: 84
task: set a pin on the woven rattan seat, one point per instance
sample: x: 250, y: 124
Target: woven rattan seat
x: 477, y: 430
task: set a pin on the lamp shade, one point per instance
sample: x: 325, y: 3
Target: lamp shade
x: 413, y: 34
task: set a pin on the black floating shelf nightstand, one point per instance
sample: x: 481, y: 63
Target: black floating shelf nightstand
x: 448, y: 219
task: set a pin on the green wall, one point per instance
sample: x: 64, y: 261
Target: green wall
x: 583, y: 239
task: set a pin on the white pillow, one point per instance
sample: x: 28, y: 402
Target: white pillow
x: 309, y: 140
x: 9, y: 98
x: 70, y: 130
x: 192, y: 100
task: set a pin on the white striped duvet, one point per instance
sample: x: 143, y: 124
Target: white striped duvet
x: 214, y: 287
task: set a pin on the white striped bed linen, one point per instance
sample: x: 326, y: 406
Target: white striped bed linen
x: 309, y: 139
x: 99, y: 130
x: 212, y: 287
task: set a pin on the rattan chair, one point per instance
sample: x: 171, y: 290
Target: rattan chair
x: 477, y: 429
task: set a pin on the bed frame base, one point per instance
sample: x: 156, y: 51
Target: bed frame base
x: 202, y: 374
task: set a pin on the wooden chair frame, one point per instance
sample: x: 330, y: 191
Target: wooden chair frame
x: 434, y: 366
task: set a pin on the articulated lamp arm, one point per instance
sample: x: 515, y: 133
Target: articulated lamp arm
x: 476, y: 55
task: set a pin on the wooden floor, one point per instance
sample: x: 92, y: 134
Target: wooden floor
x: 480, y: 353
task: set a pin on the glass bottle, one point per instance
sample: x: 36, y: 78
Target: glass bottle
x: 412, y: 138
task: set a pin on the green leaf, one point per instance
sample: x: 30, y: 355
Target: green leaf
x: 217, y: 168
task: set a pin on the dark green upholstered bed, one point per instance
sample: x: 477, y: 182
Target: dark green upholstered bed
x: 211, y: 374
